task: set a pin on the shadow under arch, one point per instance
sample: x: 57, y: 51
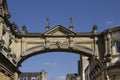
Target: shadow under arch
x: 41, y: 50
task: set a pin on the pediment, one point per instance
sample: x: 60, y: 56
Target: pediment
x: 59, y: 31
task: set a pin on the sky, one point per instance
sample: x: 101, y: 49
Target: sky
x: 84, y: 13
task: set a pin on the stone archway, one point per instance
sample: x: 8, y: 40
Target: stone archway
x: 41, y: 50
x: 81, y: 50
x: 16, y: 45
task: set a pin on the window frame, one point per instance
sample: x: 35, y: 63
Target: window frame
x: 117, y: 46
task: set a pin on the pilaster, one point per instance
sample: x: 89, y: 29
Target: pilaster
x: 1, y: 28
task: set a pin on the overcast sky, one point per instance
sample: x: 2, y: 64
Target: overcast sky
x: 85, y: 13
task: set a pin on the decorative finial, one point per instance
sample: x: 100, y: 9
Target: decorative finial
x: 71, y: 24
x: 15, y: 27
x: 47, y: 24
x: 24, y: 29
x: 94, y: 28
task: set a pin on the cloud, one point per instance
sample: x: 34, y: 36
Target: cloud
x: 109, y: 22
x: 50, y: 64
x: 117, y: 25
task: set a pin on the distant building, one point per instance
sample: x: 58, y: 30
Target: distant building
x: 74, y: 76
x: 33, y: 76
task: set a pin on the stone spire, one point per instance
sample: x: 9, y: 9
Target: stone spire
x: 15, y: 27
x: 71, y: 24
x: 47, y: 24
x: 24, y: 29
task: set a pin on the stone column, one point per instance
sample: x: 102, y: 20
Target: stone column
x: 109, y: 43
x: 44, y: 75
x: 81, y: 67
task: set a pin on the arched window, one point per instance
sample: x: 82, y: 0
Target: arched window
x: 118, y: 46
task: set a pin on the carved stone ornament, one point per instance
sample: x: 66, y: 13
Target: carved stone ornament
x: 7, y: 49
x: 46, y: 47
x: 58, y: 44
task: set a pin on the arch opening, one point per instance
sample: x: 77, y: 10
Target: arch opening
x: 59, y: 63
x: 41, y: 50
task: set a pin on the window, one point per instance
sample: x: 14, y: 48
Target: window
x: 38, y: 78
x: 118, y: 46
x: 25, y: 78
x: 19, y: 78
x: 33, y: 78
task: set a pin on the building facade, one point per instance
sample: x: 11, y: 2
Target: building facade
x: 33, y: 75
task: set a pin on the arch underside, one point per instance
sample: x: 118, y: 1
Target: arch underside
x: 40, y: 50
